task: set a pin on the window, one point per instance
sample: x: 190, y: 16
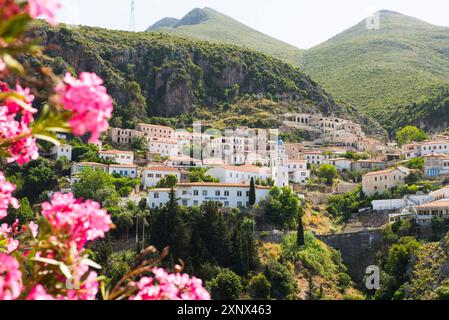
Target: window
x: 195, y: 203
x: 184, y: 203
x: 239, y: 204
x: 226, y: 193
x: 184, y: 192
x: 226, y: 204
x: 195, y: 192
x: 156, y: 195
x: 204, y: 193
x: 239, y: 193
x: 247, y: 193
x: 217, y: 193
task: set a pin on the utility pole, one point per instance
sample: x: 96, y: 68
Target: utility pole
x: 132, y: 20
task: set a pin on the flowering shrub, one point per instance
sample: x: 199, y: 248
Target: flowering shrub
x: 47, y: 259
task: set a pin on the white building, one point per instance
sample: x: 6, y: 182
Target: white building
x: 195, y: 194
x: 297, y: 171
x: 152, y: 175
x: 164, y: 147
x: 239, y: 174
x: 183, y: 162
x: 315, y: 157
x: 63, y: 150
x: 156, y: 131
x: 397, y: 204
x: 439, y: 145
x: 124, y: 170
x: 117, y: 156
x: 341, y: 163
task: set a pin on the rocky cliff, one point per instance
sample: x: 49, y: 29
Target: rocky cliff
x: 154, y: 75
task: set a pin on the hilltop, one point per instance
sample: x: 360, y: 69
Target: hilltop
x: 211, y: 25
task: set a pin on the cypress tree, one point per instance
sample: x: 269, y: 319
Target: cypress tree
x: 252, y: 192
x: 300, y: 241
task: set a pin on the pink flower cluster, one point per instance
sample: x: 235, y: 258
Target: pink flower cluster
x: 44, y: 9
x: 22, y: 146
x: 165, y: 286
x: 80, y: 221
x: 9, y: 9
x: 10, y: 278
x: 7, y: 233
x: 6, y: 198
x: 89, y: 103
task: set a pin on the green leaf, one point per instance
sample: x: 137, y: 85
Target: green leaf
x: 14, y: 27
x: 91, y: 263
x: 47, y: 138
x: 46, y: 260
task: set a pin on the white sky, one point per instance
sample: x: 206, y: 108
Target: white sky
x: 303, y: 23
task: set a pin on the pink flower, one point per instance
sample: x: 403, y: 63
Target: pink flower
x: 2, y: 65
x: 14, y: 129
x: 34, y: 228
x: 89, y: 103
x: 79, y: 221
x: 9, y: 9
x: 6, y: 198
x: 44, y: 9
x: 39, y: 293
x: 10, y: 278
x: 166, y: 286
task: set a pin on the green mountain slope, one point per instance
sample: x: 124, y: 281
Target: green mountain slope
x: 211, y: 25
x: 156, y: 75
x: 381, y: 70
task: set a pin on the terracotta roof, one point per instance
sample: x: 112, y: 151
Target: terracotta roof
x: 171, y: 169
x: 116, y: 152
x: 92, y: 164
x: 436, y: 141
x: 160, y: 190
x: 437, y: 155
x: 246, y: 168
x: 338, y: 159
x: 122, y: 166
x: 371, y: 161
x: 435, y: 204
x: 218, y: 184
x: 375, y: 173
x: 155, y: 126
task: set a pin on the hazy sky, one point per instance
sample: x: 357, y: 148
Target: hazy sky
x: 303, y: 23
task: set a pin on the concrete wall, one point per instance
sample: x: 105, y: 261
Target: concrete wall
x: 357, y: 250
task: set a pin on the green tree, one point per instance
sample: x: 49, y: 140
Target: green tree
x: 252, y: 192
x: 96, y: 185
x: 409, y: 134
x: 227, y: 285
x: 139, y: 144
x: 300, y: 241
x: 282, y: 207
x: 283, y: 283
x: 259, y: 287
x: 169, y: 181
x: 328, y: 173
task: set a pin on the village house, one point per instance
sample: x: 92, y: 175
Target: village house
x: 164, y: 147
x: 63, y: 150
x: 436, y: 165
x: 124, y: 136
x: 152, y: 175
x: 341, y: 163
x: 195, y: 194
x: 315, y: 157
x: 156, y: 131
x: 125, y: 170
x: 297, y: 171
x: 81, y: 166
x: 117, y: 156
x: 391, y: 205
x: 438, y: 145
x: 324, y: 124
x: 294, y: 150
x: 411, y: 150
x: 183, y: 162
x: 239, y: 174
x: 427, y: 211
x: 381, y: 181
x: 368, y: 165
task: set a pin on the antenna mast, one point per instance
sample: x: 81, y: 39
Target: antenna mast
x: 132, y: 21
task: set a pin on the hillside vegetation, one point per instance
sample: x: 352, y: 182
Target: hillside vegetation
x: 382, y: 70
x: 155, y: 75
x: 211, y: 25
